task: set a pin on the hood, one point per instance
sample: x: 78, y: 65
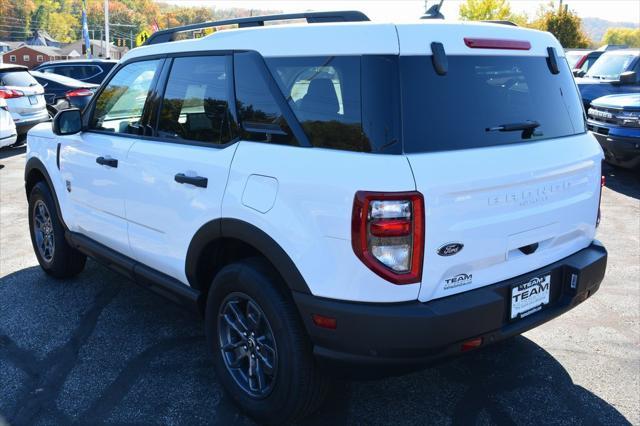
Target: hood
x: 627, y: 102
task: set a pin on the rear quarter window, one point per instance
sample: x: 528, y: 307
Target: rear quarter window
x: 456, y: 111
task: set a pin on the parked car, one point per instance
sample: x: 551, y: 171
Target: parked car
x: 315, y: 190
x: 615, y: 72
x: 8, y: 134
x: 615, y: 122
x: 62, y: 92
x: 23, y: 96
x: 581, y: 60
x: 87, y: 70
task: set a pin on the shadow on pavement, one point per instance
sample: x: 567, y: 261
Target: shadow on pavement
x: 624, y: 181
x: 98, y: 349
x: 12, y: 151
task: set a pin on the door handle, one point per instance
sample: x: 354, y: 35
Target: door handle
x: 109, y: 162
x: 192, y: 180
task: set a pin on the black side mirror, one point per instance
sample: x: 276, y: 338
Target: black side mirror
x: 577, y: 72
x: 67, y: 122
x: 628, y: 77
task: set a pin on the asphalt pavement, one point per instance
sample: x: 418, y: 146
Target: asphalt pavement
x: 100, y: 350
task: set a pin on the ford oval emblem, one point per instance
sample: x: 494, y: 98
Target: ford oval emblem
x: 450, y: 249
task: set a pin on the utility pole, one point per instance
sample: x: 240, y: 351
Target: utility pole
x: 106, y: 26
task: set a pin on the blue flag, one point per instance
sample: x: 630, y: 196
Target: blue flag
x: 85, y: 30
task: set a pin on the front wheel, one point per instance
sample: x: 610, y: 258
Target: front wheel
x: 55, y: 255
x: 261, y: 353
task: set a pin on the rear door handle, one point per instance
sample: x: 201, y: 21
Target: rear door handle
x: 192, y: 180
x: 109, y: 162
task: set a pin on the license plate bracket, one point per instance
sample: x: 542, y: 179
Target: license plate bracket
x: 530, y: 296
x: 33, y: 100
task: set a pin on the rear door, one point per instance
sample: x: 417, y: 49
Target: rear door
x: 178, y: 177
x: 498, y: 148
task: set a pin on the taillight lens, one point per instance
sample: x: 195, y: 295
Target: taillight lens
x: 10, y: 93
x: 78, y: 92
x: 387, y: 234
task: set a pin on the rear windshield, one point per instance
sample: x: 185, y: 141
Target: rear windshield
x: 17, y: 78
x: 479, y: 95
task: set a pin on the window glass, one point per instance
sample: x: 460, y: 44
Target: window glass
x: 196, y: 101
x: 342, y: 102
x: 610, y: 66
x: 259, y: 113
x: 466, y: 107
x: 120, y: 105
x: 17, y: 78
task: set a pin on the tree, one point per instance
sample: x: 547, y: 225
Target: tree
x: 564, y: 24
x: 485, y: 10
x: 628, y: 36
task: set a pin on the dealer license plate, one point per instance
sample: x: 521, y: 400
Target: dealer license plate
x: 530, y: 297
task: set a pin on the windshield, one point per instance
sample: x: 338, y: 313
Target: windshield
x: 610, y: 67
x: 486, y: 101
x: 573, y: 58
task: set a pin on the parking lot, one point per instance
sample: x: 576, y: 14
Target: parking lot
x: 99, y: 349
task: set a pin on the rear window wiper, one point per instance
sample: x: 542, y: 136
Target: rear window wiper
x: 527, y: 128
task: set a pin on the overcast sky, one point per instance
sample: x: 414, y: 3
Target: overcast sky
x: 380, y: 10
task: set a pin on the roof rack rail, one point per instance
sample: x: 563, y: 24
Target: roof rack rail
x: 169, y: 34
x: 513, y: 24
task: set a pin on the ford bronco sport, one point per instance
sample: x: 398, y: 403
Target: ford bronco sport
x: 333, y: 193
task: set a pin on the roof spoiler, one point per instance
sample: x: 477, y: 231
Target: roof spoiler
x: 513, y: 24
x: 170, y: 34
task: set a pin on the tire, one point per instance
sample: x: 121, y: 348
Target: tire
x: 296, y: 386
x: 60, y: 260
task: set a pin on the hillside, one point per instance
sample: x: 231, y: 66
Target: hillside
x: 596, y: 27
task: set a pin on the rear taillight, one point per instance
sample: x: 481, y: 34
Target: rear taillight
x: 78, y: 92
x: 10, y: 93
x: 387, y: 234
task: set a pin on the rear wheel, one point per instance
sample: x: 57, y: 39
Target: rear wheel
x: 261, y: 353
x: 55, y: 255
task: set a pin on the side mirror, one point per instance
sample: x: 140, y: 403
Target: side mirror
x: 577, y: 72
x: 67, y: 122
x: 628, y: 77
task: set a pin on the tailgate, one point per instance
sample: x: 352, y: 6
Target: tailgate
x: 512, y: 208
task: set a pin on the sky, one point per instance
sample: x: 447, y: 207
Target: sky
x: 393, y: 10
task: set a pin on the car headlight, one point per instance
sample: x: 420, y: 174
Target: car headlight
x: 629, y: 118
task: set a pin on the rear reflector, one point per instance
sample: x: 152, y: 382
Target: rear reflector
x: 325, y: 322
x: 494, y: 43
x: 391, y: 228
x: 471, y: 344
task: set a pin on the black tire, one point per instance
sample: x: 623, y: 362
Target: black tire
x: 298, y: 387
x: 63, y: 261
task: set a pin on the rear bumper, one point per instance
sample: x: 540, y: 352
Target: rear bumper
x: 414, y: 333
x: 621, y: 146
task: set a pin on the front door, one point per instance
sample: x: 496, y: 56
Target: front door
x: 94, y: 162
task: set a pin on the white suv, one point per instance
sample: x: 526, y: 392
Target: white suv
x: 24, y: 97
x: 342, y: 193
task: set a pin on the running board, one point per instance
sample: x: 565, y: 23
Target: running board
x: 151, y: 279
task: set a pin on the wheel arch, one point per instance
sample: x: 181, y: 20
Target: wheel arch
x: 35, y: 171
x: 218, y: 239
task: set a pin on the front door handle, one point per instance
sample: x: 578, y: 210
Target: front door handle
x: 109, y: 162
x: 192, y: 180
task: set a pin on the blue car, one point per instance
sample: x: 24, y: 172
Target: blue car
x: 615, y: 122
x: 614, y: 72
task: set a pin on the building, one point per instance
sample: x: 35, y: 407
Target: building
x: 30, y: 56
x: 76, y: 49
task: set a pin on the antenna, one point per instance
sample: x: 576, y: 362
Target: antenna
x: 433, y: 12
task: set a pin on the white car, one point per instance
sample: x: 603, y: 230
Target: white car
x: 334, y: 193
x: 8, y: 133
x: 24, y: 97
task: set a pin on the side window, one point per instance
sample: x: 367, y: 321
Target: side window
x: 120, y: 105
x: 259, y: 113
x: 195, y: 106
x: 340, y: 101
